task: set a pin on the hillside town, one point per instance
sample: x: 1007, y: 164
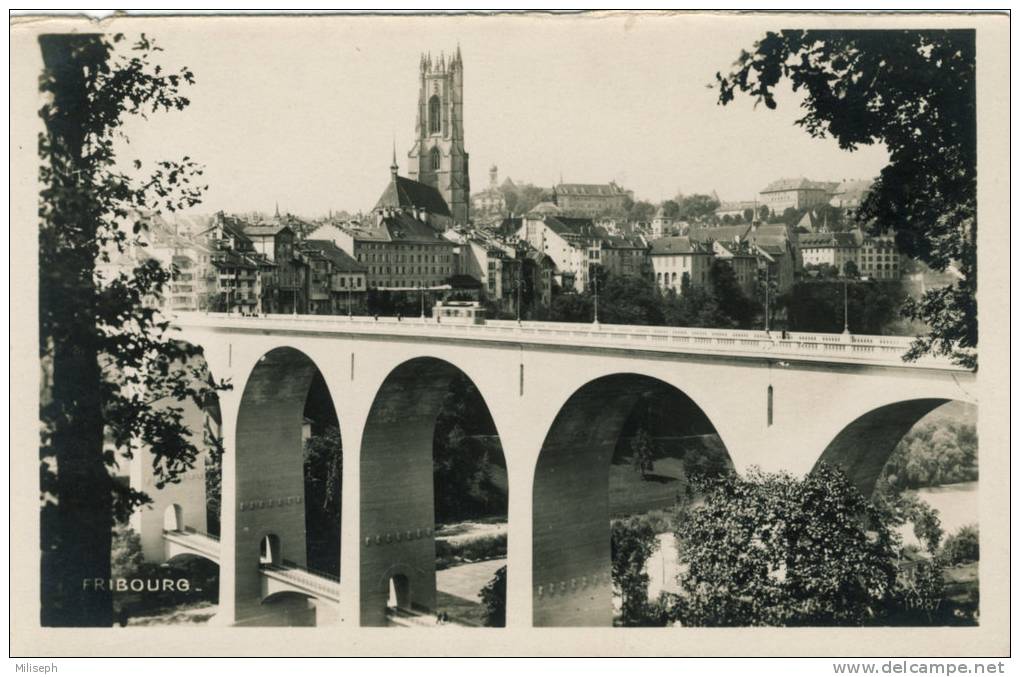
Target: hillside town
x: 409, y: 245
x: 511, y: 246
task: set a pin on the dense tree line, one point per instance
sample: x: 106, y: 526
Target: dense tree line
x: 632, y: 299
x: 817, y: 305
x: 934, y: 453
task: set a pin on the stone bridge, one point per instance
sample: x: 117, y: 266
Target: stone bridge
x: 558, y: 395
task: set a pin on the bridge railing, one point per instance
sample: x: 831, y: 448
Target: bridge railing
x: 206, y: 534
x: 818, y: 346
x: 306, y: 577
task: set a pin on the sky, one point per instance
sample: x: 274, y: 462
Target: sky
x: 304, y: 112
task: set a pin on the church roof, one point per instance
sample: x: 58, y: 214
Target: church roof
x: 404, y: 193
x: 398, y: 227
x: 588, y: 189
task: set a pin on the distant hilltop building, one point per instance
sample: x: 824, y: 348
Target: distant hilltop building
x: 590, y: 199
x: 438, y: 158
x: 849, y: 194
x: 491, y: 201
x: 797, y: 193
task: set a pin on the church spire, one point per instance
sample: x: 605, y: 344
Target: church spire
x: 277, y: 209
x: 394, y: 167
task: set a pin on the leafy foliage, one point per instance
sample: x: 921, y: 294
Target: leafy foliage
x: 643, y: 451
x: 323, y: 473
x: 768, y: 549
x: 933, y: 453
x: 466, y: 453
x: 633, y: 542
x: 493, y: 597
x: 631, y: 299
x: 872, y: 307
x: 126, y: 552
x: 697, y: 207
x: 914, y: 92
x: 102, y: 342
x: 963, y: 546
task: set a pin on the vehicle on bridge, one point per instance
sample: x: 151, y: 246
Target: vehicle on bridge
x: 459, y: 312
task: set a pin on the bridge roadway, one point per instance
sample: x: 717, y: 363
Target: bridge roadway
x: 559, y: 395
x: 277, y: 578
x: 811, y: 347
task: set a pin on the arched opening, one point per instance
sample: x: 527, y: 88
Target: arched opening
x: 435, y: 159
x: 269, y: 550
x: 919, y: 459
x: 173, y: 518
x: 622, y: 448
x: 435, y: 119
x: 400, y: 592
x: 288, y: 467
x: 433, y: 498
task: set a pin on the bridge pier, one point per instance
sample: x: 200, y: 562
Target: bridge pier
x: 397, y: 540
x: 268, y: 501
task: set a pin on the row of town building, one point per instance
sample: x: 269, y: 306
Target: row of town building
x: 282, y: 264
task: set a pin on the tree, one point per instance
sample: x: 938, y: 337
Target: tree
x: 963, y: 546
x: 769, y: 549
x: 748, y: 215
x: 731, y: 298
x: 105, y: 355
x: 670, y: 209
x: 493, y: 597
x: 633, y: 542
x: 851, y: 270
x: 466, y: 453
x: 697, y: 207
x: 642, y: 210
x: 913, y: 91
x: 643, y: 452
x: 324, y: 463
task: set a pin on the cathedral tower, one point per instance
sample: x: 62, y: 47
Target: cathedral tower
x: 438, y: 158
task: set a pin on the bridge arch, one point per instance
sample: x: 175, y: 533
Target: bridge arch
x: 863, y: 446
x: 269, y: 467
x: 571, y: 560
x: 398, y: 514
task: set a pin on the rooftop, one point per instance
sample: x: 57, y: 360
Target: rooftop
x: 404, y: 193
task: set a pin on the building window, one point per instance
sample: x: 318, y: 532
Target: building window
x: 436, y: 159
x: 434, y: 121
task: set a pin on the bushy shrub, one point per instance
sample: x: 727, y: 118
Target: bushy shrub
x: 493, y: 597
x: 962, y: 547
x: 633, y: 542
x: 771, y: 549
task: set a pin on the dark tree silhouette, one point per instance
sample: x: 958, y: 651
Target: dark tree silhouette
x: 913, y: 91
x: 105, y: 357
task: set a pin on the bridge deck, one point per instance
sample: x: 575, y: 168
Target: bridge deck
x: 799, y: 346
x: 198, y: 542
x: 302, y: 579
